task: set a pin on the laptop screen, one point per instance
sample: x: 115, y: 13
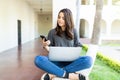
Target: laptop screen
x: 64, y: 53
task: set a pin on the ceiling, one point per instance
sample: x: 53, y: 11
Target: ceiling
x: 41, y: 6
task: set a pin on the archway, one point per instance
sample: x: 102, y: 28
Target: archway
x: 103, y: 27
x: 84, y: 28
x: 115, y: 28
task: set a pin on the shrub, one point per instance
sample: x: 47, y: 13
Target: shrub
x: 110, y: 62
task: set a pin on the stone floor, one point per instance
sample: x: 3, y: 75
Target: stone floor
x: 18, y: 63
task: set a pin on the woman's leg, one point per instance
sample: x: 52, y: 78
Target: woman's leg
x: 79, y: 64
x: 43, y: 63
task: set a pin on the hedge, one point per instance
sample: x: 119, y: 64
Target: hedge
x: 110, y: 62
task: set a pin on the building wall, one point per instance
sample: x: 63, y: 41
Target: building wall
x: 33, y: 24
x: 45, y: 24
x: 10, y: 12
x: 109, y: 24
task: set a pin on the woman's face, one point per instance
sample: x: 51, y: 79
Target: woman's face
x: 60, y: 20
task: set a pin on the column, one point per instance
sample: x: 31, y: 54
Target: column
x: 77, y: 24
x: 109, y: 2
x: 91, y: 2
x: 108, y: 32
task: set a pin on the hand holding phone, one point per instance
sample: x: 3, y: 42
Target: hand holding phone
x: 43, y: 37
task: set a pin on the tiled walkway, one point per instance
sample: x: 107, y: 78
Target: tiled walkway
x: 112, y: 52
x: 18, y: 63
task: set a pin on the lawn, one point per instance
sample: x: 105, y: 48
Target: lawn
x: 111, y: 44
x: 101, y: 71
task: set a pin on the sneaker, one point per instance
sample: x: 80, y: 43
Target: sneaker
x: 81, y: 77
x: 66, y: 77
x: 45, y: 77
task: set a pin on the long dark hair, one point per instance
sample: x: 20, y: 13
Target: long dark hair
x: 68, y: 23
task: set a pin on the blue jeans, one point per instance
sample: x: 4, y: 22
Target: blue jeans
x: 59, y: 68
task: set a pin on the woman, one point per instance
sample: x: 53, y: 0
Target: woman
x: 63, y: 35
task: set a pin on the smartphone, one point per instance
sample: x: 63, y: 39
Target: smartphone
x: 43, y: 37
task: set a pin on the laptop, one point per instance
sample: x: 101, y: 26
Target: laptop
x: 64, y: 53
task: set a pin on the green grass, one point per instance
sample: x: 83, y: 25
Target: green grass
x: 101, y: 71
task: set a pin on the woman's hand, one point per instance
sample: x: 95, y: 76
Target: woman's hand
x: 46, y: 44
